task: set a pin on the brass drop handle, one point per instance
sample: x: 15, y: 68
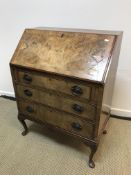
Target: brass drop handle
x: 78, y: 108
x: 76, y: 90
x: 29, y: 109
x: 76, y: 126
x: 27, y: 78
x: 28, y: 92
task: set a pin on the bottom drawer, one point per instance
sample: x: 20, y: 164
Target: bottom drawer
x: 57, y: 118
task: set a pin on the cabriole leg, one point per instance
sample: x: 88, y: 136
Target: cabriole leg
x: 24, y: 125
x: 93, y: 150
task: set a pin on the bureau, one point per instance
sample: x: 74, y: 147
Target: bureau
x: 64, y: 79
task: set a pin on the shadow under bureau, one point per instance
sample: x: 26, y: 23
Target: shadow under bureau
x: 64, y: 79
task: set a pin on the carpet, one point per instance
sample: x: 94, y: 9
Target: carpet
x: 44, y: 152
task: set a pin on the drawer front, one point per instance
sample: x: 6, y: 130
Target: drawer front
x: 57, y: 118
x: 59, y: 85
x: 56, y: 101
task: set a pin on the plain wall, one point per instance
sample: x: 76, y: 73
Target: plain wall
x: 16, y: 15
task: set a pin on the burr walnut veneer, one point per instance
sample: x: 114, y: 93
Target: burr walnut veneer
x: 64, y: 79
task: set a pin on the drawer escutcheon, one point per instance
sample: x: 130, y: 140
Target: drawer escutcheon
x: 29, y: 109
x: 76, y: 126
x: 27, y: 78
x: 76, y: 90
x: 28, y: 93
x: 78, y: 108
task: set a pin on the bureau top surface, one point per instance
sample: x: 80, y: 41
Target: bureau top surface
x: 74, y: 54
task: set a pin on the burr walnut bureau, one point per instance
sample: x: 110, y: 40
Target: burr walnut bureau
x: 64, y: 79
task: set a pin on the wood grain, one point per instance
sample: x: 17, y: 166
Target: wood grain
x: 81, y: 55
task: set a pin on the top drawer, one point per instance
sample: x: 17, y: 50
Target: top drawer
x: 61, y: 85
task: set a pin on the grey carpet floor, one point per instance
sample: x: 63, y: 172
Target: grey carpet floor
x: 43, y: 152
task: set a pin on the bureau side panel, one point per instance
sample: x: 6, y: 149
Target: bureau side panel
x: 109, y: 85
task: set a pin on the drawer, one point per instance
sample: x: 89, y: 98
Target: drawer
x: 60, y: 85
x: 57, y: 101
x: 57, y: 119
